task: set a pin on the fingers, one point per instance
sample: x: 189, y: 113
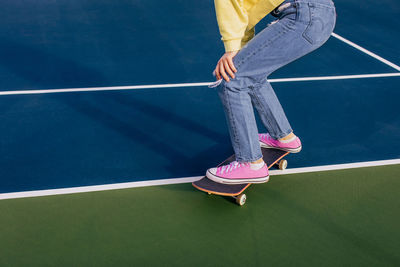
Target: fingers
x: 228, y: 69
x: 231, y: 65
x: 225, y: 67
x: 222, y: 72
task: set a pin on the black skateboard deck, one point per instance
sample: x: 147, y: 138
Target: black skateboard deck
x: 271, y: 158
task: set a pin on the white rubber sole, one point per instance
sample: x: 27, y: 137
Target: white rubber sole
x: 222, y: 180
x: 291, y: 150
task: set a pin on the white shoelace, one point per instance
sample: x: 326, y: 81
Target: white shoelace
x: 232, y: 166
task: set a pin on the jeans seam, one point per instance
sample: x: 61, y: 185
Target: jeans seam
x: 259, y: 102
x: 304, y: 34
x: 235, y: 135
x: 262, y: 107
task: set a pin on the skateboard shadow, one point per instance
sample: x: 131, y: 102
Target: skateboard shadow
x: 190, y: 188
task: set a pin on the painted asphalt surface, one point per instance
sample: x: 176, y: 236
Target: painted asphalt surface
x: 77, y: 139
x: 335, y: 218
x: 63, y: 140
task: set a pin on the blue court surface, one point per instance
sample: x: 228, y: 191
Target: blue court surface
x: 112, y: 94
x: 80, y: 137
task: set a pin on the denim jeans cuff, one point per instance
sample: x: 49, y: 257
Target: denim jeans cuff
x: 279, y: 136
x: 242, y: 160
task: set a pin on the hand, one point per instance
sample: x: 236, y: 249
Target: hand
x: 225, y: 66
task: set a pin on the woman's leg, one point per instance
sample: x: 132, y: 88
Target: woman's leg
x: 302, y: 27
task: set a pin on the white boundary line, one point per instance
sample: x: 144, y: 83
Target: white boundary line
x: 91, y: 89
x: 176, y: 85
x: 340, y: 77
x: 85, y: 189
x: 381, y: 59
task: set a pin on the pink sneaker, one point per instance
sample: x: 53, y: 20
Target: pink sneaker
x: 292, y: 146
x: 238, y: 173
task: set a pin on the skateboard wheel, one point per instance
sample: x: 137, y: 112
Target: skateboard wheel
x: 283, y: 164
x: 241, y: 199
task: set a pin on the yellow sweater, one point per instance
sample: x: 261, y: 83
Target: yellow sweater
x: 237, y: 18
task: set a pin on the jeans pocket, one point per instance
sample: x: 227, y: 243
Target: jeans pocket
x: 322, y: 20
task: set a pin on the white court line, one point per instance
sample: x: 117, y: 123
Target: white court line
x: 176, y: 85
x: 85, y: 189
x: 340, y: 77
x: 387, y: 62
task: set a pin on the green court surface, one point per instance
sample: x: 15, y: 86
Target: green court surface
x: 333, y: 218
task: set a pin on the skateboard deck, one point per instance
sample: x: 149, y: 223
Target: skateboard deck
x: 271, y: 157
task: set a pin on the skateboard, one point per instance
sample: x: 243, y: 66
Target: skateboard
x: 272, y: 157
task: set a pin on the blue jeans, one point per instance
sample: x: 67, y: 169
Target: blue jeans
x: 302, y: 26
